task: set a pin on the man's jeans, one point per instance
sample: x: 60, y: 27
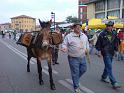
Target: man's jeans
x: 108, y: 69
x: 78, y: 68
x: 92, y: 47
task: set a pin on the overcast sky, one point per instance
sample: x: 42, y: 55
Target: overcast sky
x: 38, y: 9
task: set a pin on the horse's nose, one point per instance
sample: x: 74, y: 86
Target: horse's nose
x: 45, y: 44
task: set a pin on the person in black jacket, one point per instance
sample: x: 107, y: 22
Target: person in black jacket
x: 55, y: 49
x: 107, y: 44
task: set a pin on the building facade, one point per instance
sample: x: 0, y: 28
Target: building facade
x: 82, y: 10
x: 104, y: 8
x: 5, y: 26
x: 23, y: 23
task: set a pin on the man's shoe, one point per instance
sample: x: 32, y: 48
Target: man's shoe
x: 104, y: 80
x: 53, y: 63
x: 77, y: 90
x: 56, y: 63
x: 116, y: 85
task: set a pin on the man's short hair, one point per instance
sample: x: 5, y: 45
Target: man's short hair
x: 76, y: 25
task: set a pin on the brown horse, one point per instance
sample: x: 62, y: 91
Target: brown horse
x: 41, y: 51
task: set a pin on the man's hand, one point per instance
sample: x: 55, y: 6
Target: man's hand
x: 86, y: 52
x: 63, y: 50
x: 99, y: 54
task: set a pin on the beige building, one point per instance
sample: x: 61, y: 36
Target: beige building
x: 5, y: 27
x: 23, y: 23
x: 104, y: 8
x: 38, y: 27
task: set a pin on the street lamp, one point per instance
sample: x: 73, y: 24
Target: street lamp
x: 53, y: 16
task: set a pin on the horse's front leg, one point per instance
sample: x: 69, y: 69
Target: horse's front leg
x: 39, y: 67
x: 28, y: 64
x: 52, y: 85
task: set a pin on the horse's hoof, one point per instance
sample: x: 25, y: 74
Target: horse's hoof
x: 41, y: 82
x: 53, y: 87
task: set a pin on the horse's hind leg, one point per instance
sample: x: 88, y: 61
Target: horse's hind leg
x: 28, y: 64
x: 39, y: 67
x: 52, y: 85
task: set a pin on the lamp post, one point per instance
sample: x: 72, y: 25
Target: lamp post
x: 53, y: 16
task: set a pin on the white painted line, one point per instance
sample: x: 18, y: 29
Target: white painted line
x: 33, y: 60
x: 65, y: 84
x: 54, y: 71
x: 24, y: 56
x: 19, y: 53
x: 46, y: 72
x: 86, y: 90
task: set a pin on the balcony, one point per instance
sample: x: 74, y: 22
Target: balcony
x: 94, y: 0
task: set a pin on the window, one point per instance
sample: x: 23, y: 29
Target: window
x: 123, y: 3
x: 113, y: 4
x: 84, y: 16
x: 80, y: 2
x: 123, y: 13
x: 85, y: 9
x: 81, y: 10
x: 114, y: 13
x: 100, y: 6
x: 81, y: 16
x: 100, y: 15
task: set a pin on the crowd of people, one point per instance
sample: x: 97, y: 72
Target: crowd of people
x: 76, y: 44
x: 10, y: 34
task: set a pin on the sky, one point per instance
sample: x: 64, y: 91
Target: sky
x: 39, y: 9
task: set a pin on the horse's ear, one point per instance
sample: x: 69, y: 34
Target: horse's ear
x: 41, y: 23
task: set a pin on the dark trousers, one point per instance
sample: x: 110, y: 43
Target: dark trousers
x: 55, y: 53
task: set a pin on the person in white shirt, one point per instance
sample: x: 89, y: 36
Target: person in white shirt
x: 76, y: 45
x: 93, y: 41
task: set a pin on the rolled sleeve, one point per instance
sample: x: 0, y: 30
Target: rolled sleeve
x: 65, y: 42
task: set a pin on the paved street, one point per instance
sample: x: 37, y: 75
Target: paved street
x: 15, y: 79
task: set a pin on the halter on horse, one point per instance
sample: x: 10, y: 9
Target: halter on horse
x: 43, y: 51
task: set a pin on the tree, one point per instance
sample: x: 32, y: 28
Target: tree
x: 71, y: 19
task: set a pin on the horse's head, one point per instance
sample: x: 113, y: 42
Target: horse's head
x: 45, y: 33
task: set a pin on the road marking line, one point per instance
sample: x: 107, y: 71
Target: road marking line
x: 46, y: 72
x: 19, y: 53
x: 22, y: 55
x: 54, y: 71
x: 64, y: 83
x: 84, y: 89
x: 67, y: 85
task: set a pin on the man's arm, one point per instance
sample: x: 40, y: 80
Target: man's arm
x: 98, y: 45
x: 65, y: 44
